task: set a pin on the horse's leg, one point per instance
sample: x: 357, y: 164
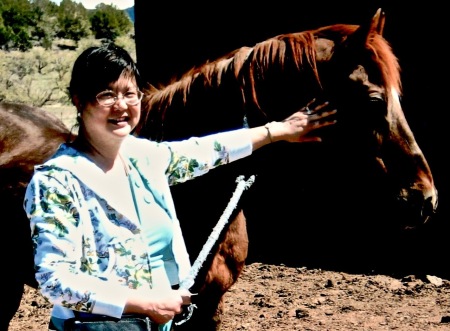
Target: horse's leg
x: 17, y: 257
x: 12, y: 293
x: 226, y: 267
x: 21, y: 265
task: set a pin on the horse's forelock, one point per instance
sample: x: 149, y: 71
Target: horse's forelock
x: 387, y: 62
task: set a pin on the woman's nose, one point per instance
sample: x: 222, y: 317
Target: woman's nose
x: 120, y: 103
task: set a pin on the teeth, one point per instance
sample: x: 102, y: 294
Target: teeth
x: 117, y: 120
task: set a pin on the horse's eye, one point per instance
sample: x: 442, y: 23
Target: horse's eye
x: 376, y: 98
x: 376, y: 111
x: 377, y: 104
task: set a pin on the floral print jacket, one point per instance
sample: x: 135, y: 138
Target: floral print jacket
x: 86, y: 250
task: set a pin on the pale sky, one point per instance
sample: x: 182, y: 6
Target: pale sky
x: 90, y: 4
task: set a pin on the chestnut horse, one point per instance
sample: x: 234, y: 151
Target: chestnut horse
x: 369, y: 174
x: 369, y: 166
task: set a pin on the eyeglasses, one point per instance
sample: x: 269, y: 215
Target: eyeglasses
x: 109, y: 98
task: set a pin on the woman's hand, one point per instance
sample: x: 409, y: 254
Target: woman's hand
x: 160, y: 306
x: 303, y: 125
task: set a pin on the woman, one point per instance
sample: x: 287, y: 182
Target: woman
x: 106, y: 235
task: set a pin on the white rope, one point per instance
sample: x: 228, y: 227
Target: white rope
x: 188, y: 282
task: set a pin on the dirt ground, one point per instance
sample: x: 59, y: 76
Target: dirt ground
x: 274, y: 297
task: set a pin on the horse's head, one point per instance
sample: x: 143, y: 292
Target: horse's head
x: 354, y: 68
x: 369, y: 76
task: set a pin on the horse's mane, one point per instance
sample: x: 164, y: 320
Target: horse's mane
x: 247, y: 65
x: 242, y: 64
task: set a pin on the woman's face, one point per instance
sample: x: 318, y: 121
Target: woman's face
x: 115, y: 111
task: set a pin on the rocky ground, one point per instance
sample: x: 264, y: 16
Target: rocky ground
x: 274, y: 297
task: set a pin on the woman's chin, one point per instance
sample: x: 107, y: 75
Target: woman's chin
x: 122, y: 129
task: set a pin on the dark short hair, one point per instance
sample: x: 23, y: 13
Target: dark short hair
x: 99, y: 66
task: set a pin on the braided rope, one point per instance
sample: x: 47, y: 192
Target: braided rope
x: 188, y: 282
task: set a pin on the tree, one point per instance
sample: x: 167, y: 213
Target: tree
x: 108, y: 22
x: 45, y: 13
x: 16, y: 24
x: 73, y: 21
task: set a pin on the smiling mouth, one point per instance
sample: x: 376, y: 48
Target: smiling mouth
x: 118, y: 120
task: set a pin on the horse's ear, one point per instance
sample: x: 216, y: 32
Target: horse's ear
x: 366, y: 32
x: 375, y: 27
x: 378, y: 21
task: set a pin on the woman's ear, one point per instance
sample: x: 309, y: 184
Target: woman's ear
x: 77, y: 103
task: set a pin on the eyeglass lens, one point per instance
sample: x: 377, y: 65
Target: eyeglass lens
x: 108, y: 98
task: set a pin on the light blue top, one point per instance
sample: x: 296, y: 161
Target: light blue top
x: 91, y: 246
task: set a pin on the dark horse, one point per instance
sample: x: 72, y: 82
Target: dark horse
x: 28, y: 136
x: 368, y: 168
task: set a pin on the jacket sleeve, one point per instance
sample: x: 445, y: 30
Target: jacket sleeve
x: 196, y: 156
